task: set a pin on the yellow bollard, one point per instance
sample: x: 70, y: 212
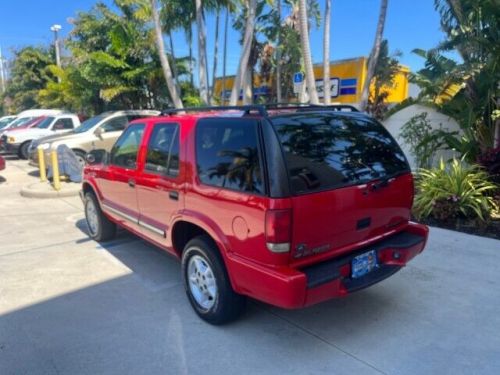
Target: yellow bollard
x: 41, y: 164
x: 55, y: 170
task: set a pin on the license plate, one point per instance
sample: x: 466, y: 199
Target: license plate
x: 363, y: 264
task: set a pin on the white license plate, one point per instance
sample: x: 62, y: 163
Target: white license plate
x: 363, y: 264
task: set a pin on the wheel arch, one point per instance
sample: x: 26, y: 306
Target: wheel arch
x: 89, y: 187
x: 188, y: 227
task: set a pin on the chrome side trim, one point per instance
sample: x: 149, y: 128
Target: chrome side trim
x: 152, y: 228
x: 135, y: 220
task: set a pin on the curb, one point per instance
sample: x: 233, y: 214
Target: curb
x: 45, y: 190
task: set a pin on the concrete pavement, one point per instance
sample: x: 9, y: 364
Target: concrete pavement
x: 70, y: 305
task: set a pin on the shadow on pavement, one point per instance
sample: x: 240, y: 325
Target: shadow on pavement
x: 142, y: 323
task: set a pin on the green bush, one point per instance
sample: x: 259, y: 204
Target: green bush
x: 418, y: 134
x: 453, y: 191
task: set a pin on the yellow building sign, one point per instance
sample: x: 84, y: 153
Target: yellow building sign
x: 347, y: 80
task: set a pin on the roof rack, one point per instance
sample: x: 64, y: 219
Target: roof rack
x: 261, y: 109
x: 302, y: 107
x: 245, y: 108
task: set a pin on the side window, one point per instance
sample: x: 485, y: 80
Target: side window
x: 227, y: 154
x: 63, y: 123
x: 115, y: 124
x: 163, y: 150
x: 124, y: 152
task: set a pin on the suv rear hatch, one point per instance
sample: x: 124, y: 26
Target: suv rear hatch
x: 349, y: 180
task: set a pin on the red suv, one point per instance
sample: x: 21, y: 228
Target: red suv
x: 291, y: 206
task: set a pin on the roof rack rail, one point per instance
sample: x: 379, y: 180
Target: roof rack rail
x: 311, y: 107
x: 286, y: 105
x: 245, y: 108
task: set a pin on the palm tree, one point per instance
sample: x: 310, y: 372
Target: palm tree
x: 245, y: 54
x: 326, y: 53
x: 202, y: 53
x: 278, y: 56
x: 167, y: 72
x: 216, y: 51
x: 372, y: 61
x: 224, y: 58
x: 306, y: 52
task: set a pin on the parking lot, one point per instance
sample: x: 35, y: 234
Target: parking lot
x: 69, y: 305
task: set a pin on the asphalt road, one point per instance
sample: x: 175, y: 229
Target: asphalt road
x: 71, y: 306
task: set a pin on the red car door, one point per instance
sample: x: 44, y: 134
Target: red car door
x: 118, y: 185
x: 158, y: 183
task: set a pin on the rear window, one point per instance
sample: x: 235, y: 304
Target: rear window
x: 327, y: 151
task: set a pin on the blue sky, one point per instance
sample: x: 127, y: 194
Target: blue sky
x: 410, y: 24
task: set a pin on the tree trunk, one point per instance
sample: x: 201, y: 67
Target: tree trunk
x: 174, y: 66
x: 216, y: 51
x: 191, y: 64
x: 245, y: 53
x: 372, y: 61
x: 172, y: 88
x: 326, y: 54
x: 278, y: 57
x: 224, y: 58
x: 306, y: 52
x: 202, y: 53
x: 247, y: 88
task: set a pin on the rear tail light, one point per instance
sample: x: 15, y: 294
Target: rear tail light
x: 278, y: 230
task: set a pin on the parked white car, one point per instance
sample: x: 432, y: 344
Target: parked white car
x: 24, y: 117
x: 18, y: 141
x: 6, y: 120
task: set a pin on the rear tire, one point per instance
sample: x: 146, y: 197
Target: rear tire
x: 207, y: 283
x: 23, y: 150
x: 100, y: 227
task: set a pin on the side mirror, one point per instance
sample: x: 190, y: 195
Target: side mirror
x: 99, y: 156
x: 98, y: 132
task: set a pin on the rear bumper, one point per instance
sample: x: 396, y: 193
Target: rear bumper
x: 294, y: 288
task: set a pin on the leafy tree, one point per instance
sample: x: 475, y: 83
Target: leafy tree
x: 468, y: 90
x: 29, y: 74
x: 115, y: 53
x: 374, y: 54
x: 383, y: 78
x: 70, y: 90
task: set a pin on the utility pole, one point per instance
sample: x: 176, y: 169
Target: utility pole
x: 55, y: 29
x: 2, y: 72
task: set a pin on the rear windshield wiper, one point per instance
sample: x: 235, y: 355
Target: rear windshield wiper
x: 384, y: 181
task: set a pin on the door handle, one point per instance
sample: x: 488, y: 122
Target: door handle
x: 131, y: 183
x: 174, y: 195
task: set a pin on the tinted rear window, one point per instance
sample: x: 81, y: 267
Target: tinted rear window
x: 327, y: 151
x: 227, y: 154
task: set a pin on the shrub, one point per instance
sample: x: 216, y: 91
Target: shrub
x: 490, y: 160
x: 418, y: 134
x: 453, y: 191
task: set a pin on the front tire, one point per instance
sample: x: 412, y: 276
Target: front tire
x: 100, y: 227
x: 207, y: 284
x: 23, y: 150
